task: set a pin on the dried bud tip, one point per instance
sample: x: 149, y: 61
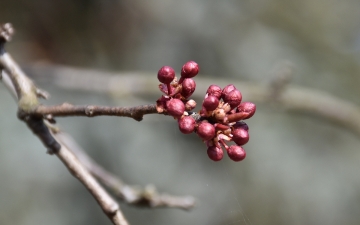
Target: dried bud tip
x: 190, y: 105
x: 6, y: 32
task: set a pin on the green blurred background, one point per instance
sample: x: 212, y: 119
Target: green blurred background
x: 300, y: 169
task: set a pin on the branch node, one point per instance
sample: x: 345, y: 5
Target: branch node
x: 39, y: 128
x: 6, y: 32
x: 89, y: 110
x: 137, y: 117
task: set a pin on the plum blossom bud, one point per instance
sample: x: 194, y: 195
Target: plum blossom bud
x: 233, y: 98
x: 188, y: 87
x: 206, y: 131
x: 166, y: 74
x: 215, y: 153
x: 227, y: 90
x: 240, y: 136
x: 236, y: 153
x: 214, y: 90
x: 175, y: 107
x: 211, y: 103
x: 247, y: 107
x: 186, y: 124
x: 189, y: 69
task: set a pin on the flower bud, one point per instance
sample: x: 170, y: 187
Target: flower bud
x: 240, y: 136
x: 214, y: 90
x: 206, y: 131
x: 186, y: 124
x: 175, y: 107
x: 215, y: 153
x: 236, y: 153
x: 227, y: 90
x: 189, y: 69
x: 166, y: 74
x: 233, y: 98
x: 247, y: 107
x: 211, y: 103
x: 188, y: 87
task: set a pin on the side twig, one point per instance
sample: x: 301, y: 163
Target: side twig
x: 134, y: 195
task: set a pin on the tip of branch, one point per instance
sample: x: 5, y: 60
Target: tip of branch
x: 6, y: 32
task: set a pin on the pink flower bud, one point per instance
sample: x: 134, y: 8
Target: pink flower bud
x: 214, y: 90
x: 240, y: 136
x: 247, y: 107
x: 166, y: 74
x: 186, y: 124
x: 190, y: 105
x: 206, y: 131
x: 236, y: 153
x: 227, y: 90
x: 188, y: 87
x: 211, y: 103
x: 189, y: 69
x: 215, y: 153
x: 233, y: 98
x: 175, y: 107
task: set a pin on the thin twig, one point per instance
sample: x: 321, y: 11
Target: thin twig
x: 67, y: 109
x: 134, y: 195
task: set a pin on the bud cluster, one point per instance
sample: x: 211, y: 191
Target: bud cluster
x: 221, y: 113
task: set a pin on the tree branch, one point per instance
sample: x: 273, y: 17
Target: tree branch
x: 27, y: 94
x: 279, y: 93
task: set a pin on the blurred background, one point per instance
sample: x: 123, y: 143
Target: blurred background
x: 300, y: 169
